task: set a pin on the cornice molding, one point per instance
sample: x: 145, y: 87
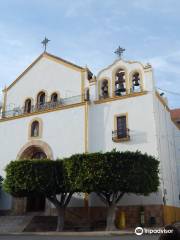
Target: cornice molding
x: 115, y: 98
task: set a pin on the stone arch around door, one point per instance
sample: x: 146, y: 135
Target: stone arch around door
x: 33, y: 147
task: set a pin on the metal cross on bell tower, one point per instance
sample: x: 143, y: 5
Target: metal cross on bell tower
x: 119, y: 52
x: 45, y: 43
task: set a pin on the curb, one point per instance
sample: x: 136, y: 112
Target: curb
x: 77, y: 234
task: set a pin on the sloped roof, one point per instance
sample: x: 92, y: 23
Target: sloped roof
x: 51, y: 57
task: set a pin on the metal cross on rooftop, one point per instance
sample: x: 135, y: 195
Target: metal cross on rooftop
x: 119, y: 52
x: 44, y: 43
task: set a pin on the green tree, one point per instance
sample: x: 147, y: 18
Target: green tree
x: 113, y: 174
x: 47, y: 177
x: 1, y: 180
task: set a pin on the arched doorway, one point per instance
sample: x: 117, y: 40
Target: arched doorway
x: 34, y: 149
x: 33, y: 152
x: 34, y: 203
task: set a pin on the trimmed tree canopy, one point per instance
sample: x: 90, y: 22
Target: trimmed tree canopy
x: 113, y: 174
x: 128, y: 172
x: 36, y: 176
x: 110, y: 175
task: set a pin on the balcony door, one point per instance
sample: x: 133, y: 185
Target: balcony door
x: 121, y: 127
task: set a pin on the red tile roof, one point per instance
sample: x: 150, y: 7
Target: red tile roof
x: 175, y: 113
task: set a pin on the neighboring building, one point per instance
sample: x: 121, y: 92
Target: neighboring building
x: 175, y: 115
x: 56, y: 108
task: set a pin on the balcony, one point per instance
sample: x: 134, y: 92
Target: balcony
x: 48, y: 106
x: 120, y: 135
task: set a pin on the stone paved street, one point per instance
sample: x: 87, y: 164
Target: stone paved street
x: 127, y: 237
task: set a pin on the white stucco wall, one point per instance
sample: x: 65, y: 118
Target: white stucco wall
x: 45, y: 75
x: 167, y: 146
x: 140, y: 118
x: 141, y: 123
x: 63, y: 130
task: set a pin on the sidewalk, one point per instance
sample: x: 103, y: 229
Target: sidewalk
x: 78, y: 234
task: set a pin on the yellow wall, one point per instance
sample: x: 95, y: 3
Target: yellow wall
x: 171, y: 214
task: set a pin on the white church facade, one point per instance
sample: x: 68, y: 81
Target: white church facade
x: 55, y: 109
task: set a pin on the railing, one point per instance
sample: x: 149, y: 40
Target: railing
x: 118, y: 92
x: 119, y: 135
x: 43, y: 107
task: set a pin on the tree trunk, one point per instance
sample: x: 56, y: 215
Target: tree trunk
x: 110, y: 219
x: 60, y: 221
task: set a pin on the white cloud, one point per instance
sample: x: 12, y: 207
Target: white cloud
x: 164, y: 7
x: 167, y: 71
x: 78, y: 8
x: 168, y: 63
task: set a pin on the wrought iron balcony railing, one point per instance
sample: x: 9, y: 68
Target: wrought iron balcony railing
x: 120, y: 135
x: 43, y: 107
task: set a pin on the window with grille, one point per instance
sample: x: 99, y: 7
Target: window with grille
x: 121, y: 132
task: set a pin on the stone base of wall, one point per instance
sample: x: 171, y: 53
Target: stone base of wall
x: 153, y: 215
x: 133, y: 216
x: 149, y: 215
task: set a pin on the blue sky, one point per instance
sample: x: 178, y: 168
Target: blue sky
x: 87, y: 32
